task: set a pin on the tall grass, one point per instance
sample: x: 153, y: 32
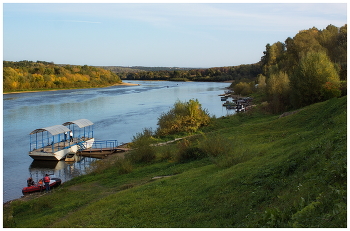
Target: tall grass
x: 187, y: 151
x: 122, y: 165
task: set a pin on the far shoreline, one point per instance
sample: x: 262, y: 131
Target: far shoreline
x: 118, y: 84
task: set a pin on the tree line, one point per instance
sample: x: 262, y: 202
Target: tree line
x: 245, y: 71
x: 28, y: 75
x: 306, y: 69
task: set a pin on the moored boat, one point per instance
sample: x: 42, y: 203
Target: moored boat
x: 53, y: 143
x: 38, y: 187
x: 228, y: 103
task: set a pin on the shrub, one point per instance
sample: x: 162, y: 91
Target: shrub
x: 183, y: 117
x: 123, y: 165
x: 142, y: 151
x: 167, y: 152
x: 188, y: 152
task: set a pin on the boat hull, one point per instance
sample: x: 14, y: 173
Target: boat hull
x: 54, y: 182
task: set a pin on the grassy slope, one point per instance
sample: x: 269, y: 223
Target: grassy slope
x: 285, y: 172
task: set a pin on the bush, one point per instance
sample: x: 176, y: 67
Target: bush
x: 123, y: 165
x: 188, y: 152
x: 183, y: 117
x: 142, y: 151
x: 167, y: 152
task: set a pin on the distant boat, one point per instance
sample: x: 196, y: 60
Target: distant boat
x: 228, y: 103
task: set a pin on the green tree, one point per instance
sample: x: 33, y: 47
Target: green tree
x: 328, y: 39
x: 278, y: 90
x: 243, y: 88
x: 272, y: 56
x: 261, y: 81
x: 314, y: 80
x: 302, y: 43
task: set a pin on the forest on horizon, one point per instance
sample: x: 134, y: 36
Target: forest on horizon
x: 28, y: 75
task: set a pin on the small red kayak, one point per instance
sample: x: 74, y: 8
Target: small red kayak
x: 54, y: 182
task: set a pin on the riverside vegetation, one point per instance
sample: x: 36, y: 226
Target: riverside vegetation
x: 254, y: 169
x: 41, y: 75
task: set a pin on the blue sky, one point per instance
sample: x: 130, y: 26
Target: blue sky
x: 156, y: 34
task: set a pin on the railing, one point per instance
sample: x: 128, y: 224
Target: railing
x: 104, y: 144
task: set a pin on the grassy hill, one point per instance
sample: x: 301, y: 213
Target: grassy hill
x: 260, y: 171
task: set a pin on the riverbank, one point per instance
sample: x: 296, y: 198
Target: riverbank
x: 118, y: 84
x: 291, y: 171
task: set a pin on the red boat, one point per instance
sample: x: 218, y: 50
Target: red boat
x: 38, y: 187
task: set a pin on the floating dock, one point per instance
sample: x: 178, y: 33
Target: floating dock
x: 102, y: 149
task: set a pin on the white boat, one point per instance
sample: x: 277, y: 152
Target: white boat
x: 52, y: 143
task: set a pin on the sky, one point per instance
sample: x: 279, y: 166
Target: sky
x: 197, y: 35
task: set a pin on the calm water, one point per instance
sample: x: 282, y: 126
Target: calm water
x: 118, y: 112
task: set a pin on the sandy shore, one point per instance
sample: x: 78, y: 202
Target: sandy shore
x: 126, y: 84
x: 118, y: 84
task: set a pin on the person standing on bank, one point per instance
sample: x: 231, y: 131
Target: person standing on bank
x: 47, y: 182
x: 71, y: 136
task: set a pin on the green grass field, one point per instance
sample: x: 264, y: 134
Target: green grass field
x: 254, y: 170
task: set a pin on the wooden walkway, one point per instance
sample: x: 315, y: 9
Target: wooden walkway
x: 101, y: 153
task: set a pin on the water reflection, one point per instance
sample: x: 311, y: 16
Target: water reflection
x: 61, y: 169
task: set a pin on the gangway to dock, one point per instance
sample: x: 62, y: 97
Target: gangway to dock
x: 101, y: 149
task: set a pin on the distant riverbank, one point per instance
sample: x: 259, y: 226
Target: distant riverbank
x: 118, y: 84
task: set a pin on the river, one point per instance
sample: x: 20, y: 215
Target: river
x: 118, y: 112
